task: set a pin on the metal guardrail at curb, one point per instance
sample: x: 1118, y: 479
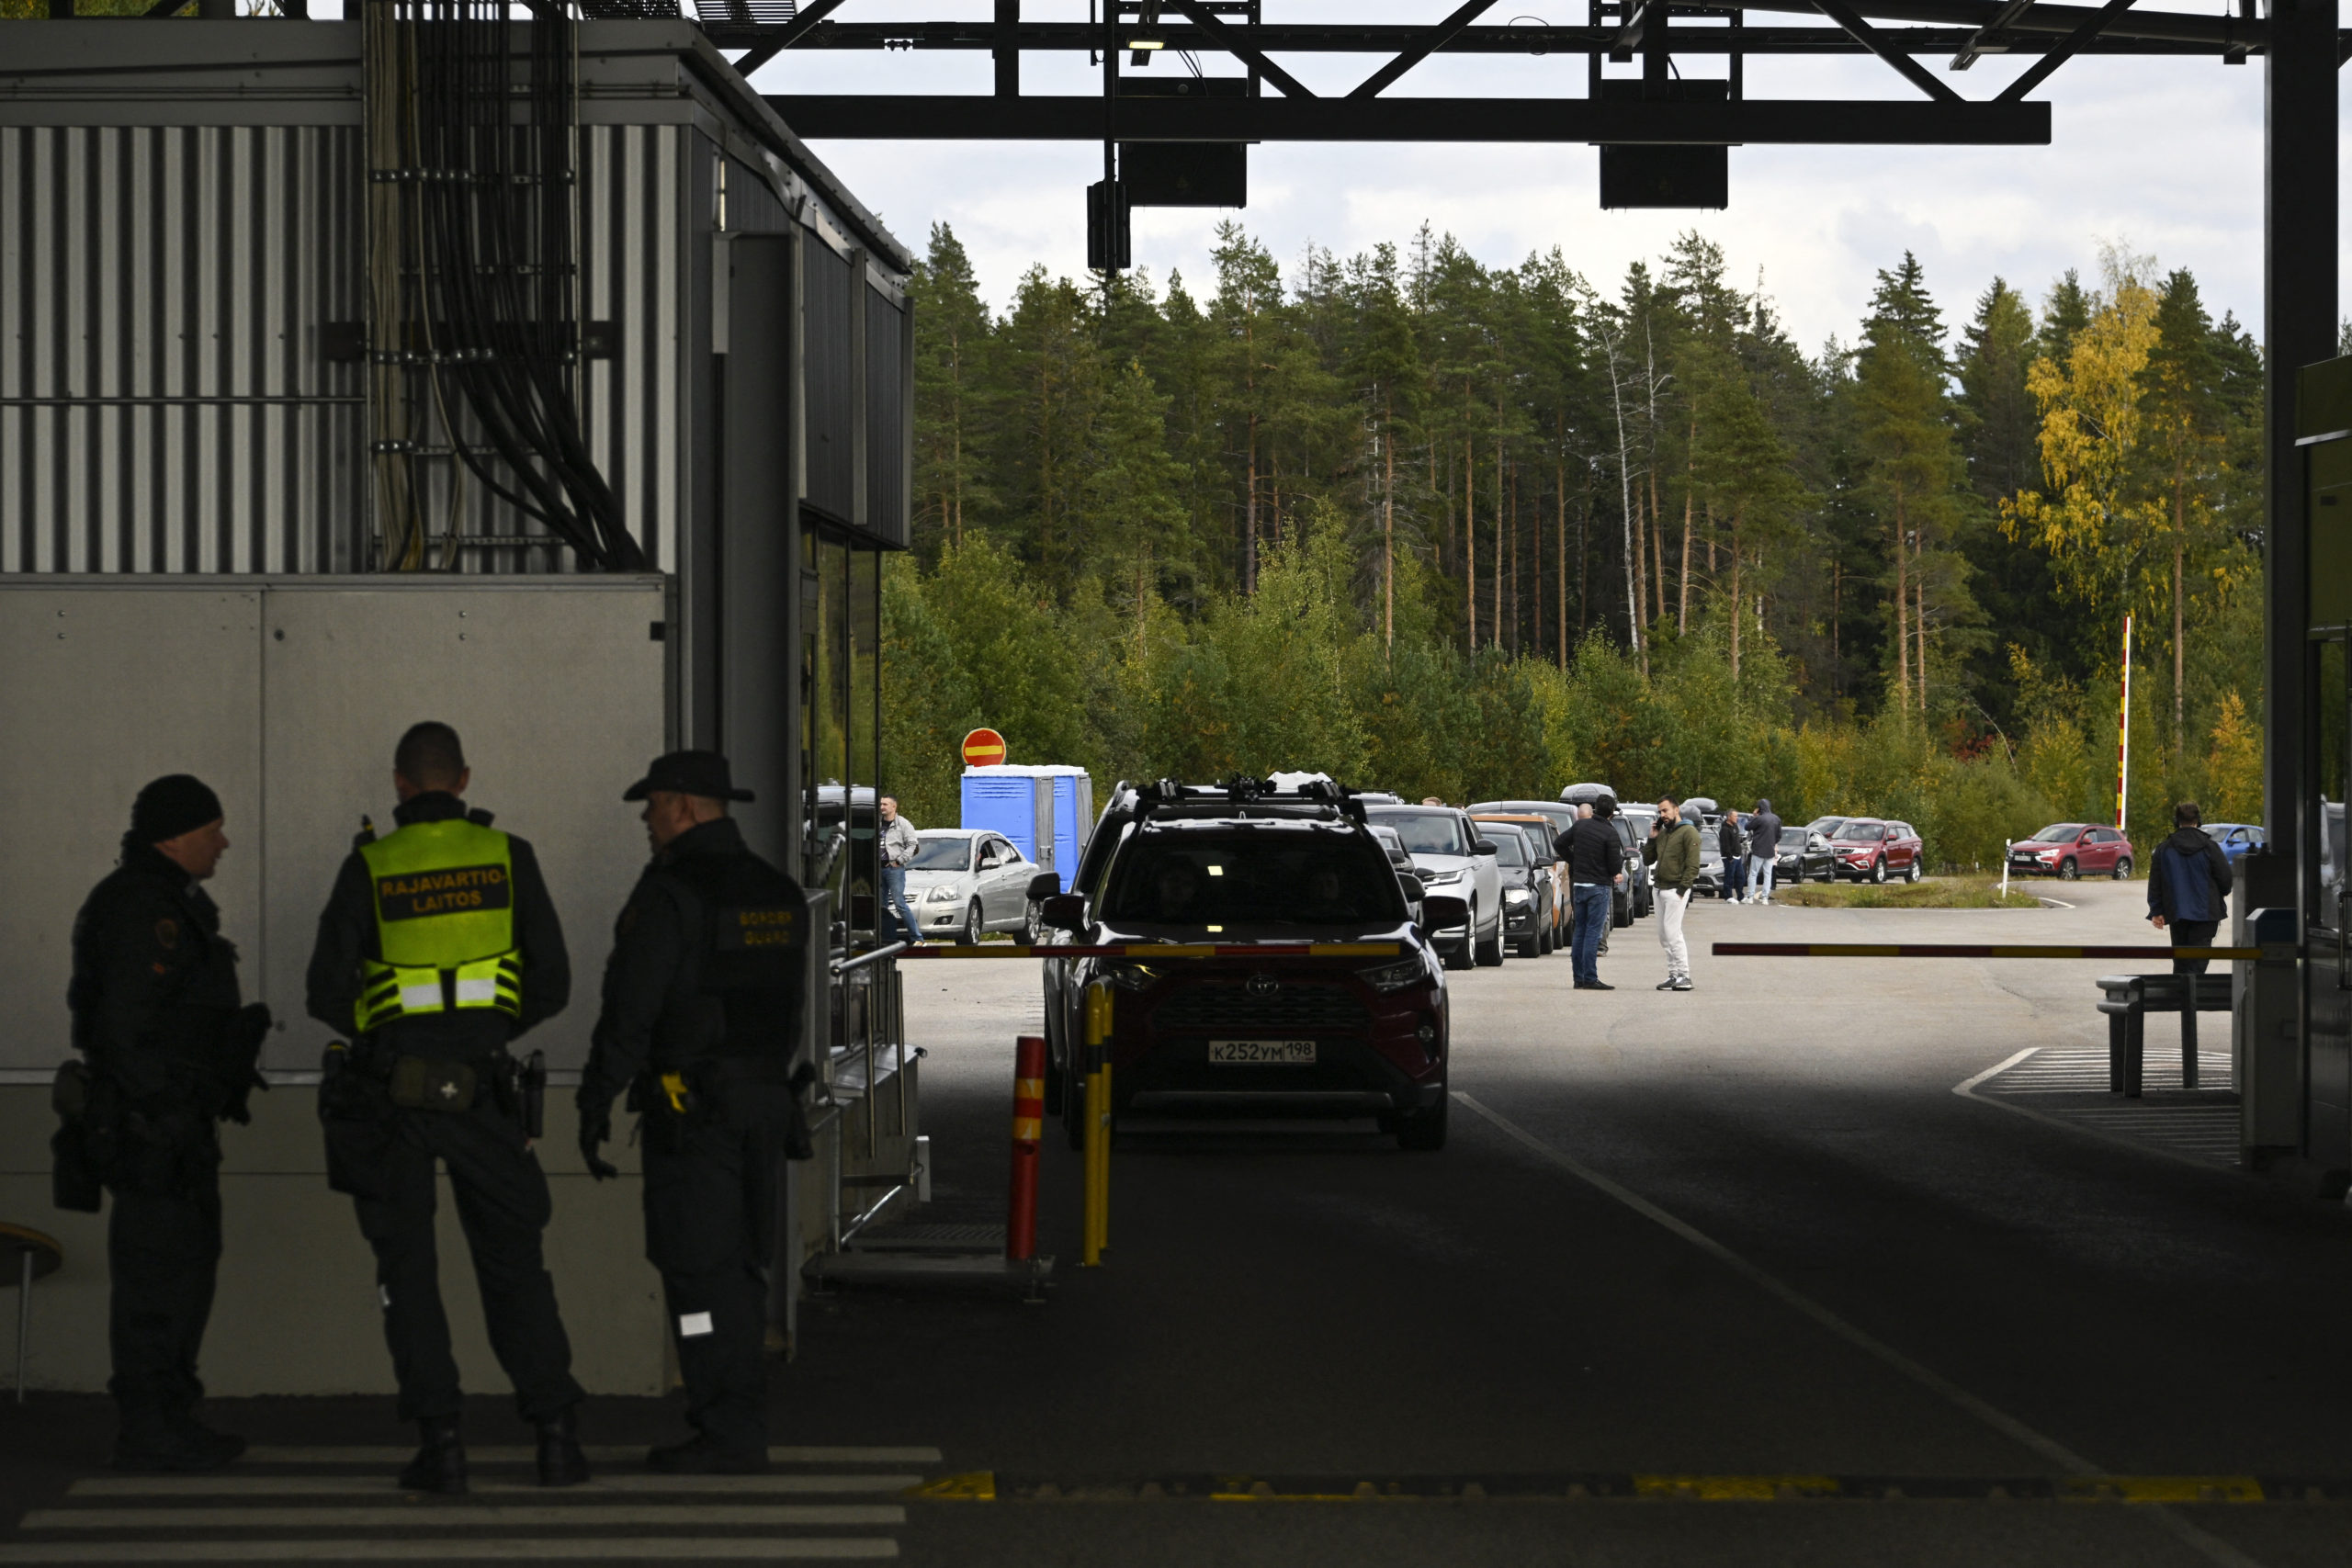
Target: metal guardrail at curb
x: 1156, y: 950
x: 1970, y: 950
x: 871, y: 955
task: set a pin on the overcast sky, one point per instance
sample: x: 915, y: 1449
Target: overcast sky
x: 2162, y: 154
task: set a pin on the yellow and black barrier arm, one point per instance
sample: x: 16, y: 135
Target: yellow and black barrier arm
x: 1976, y: 950
x: 1160, y: 950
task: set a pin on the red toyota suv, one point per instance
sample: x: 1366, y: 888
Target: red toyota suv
x: 1243, y: 866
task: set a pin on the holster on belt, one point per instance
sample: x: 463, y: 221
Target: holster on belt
x: 75, y: 1178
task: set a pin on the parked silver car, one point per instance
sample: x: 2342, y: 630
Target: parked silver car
x: 966, y: 882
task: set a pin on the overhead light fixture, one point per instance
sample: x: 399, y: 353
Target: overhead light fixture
x: 1146, y: 43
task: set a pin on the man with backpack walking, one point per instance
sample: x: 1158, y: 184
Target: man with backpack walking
x: 2189, y: 886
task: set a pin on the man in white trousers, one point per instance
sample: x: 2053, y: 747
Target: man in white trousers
x: 1673, y: 851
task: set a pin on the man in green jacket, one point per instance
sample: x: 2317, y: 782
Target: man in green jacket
x: 1673, y: 849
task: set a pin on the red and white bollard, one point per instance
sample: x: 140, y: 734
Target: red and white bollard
x: 1028, y: 1127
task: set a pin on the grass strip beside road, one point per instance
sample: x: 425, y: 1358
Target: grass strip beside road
x: 1934, y: 892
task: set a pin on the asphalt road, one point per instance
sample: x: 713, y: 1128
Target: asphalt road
x: 1748, y: 1230
x: 1747, y: 1236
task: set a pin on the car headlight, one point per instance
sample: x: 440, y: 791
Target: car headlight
x: 945, y: 893
x: 1441, y: 878
x: 1516, y: 895
x: 1395, y: 976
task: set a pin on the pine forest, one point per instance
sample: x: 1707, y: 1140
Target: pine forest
x: 1475, y: 531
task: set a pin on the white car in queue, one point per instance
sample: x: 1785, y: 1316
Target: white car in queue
x: 1445, y: 848
x: 967, y: 882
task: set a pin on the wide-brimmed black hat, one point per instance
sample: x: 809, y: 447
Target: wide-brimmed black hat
x: 688, y: 773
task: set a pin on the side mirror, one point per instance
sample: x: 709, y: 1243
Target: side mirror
x: 1063, y: 912
x: 1487, y: 847
x: 1413, y: 885
x: 1043, y: 885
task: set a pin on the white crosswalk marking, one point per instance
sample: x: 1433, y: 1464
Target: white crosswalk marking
x: 604, y: 1549
x: 2067, y: 1084
x: 344, y: 1501
x: 237, y: 1485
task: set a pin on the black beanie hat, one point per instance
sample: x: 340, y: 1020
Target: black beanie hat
x: 172, y: 805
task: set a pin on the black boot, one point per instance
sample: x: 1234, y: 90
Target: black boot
x: 440, y: 1463
x: 184, y: 1425
x: 148, y: 1445
x: 562, y: 1462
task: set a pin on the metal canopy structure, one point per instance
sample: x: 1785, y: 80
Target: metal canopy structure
x: 1139, y: 105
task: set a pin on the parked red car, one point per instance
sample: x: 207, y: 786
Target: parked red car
x: 1871, y: 848
x: 2071, y: 849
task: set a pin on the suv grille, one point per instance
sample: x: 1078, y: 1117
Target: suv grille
x: 1294, y: 1009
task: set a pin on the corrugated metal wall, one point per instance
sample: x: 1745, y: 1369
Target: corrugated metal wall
x: 886, y: 416
x: 164, y: 401
x: 167, y: 404
x: 633, y: 261
x: 829, y: 377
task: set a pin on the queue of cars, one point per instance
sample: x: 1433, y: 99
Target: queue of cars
x: 1276, y: 875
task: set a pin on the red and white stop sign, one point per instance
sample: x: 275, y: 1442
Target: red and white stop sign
x: 983, y: 749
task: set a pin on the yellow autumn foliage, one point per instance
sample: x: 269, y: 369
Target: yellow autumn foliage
x: 2094, y: 515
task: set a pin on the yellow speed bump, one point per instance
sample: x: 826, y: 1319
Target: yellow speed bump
x: 972, y: 1486
x: 1735, y: 1488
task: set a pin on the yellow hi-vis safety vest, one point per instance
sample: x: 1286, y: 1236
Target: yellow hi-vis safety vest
x: 444, y: 893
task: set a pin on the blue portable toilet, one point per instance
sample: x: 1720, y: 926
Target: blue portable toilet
x: 1049, y: 811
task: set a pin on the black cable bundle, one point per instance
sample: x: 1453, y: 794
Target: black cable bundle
x: 497, y: 262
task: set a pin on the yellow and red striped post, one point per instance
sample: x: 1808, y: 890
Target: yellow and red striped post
x: 1097, y: 1062
x: 1028, y: 1127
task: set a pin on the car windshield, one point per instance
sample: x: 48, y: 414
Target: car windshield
x: 1252, y: 878
x: 1861, y: 832
x: 1510, y: 848
x: 1427, y: 832
x: 942, y: 853
x: 1826, y: 827
x: 2064, y: 833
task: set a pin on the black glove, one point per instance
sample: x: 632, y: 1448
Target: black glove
x: 596, y: 1128
x: 239, y: 1072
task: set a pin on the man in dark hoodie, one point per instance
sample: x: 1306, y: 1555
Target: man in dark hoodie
x: 2189, y: 886
x: 1763, y: 852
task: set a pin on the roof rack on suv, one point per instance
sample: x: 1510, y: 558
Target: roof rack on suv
x: 1241, y: 791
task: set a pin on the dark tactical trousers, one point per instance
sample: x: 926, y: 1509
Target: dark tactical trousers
x: 709, y: 1218
x: 162, y: 1251
x: 503, y: 1204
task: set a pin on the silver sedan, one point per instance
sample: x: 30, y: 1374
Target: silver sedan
x: 967, y: 882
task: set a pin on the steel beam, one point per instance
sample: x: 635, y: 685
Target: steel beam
x: 1008, y: 43
x: 2299, y: 328
x: 1429, y: 43
x: 973, y: 118
x: 1972, y: 17
x: 1919, y: 75
x: 2042, y: 68
x: 1240, y: 42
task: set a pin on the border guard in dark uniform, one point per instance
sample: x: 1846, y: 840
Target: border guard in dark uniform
x: 439, y: 946
x: 168, y: 1051
x: 701, y: 1024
